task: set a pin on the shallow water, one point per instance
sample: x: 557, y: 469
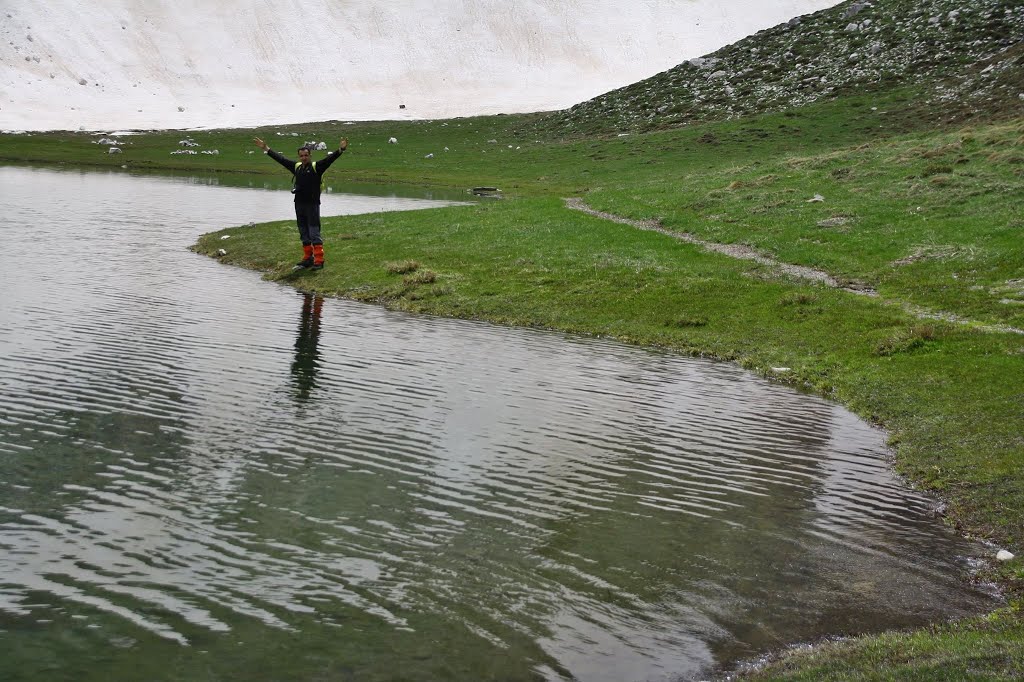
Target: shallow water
x: 208, y: 476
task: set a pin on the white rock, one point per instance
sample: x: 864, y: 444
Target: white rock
x: 227, y: 236
x: 817, y: 198
x: 429, y: 156
x: 114, y: 150
x: 780, y: 369
x: 221, y: 252
x: 1003, y: 555
x: 392, y: 140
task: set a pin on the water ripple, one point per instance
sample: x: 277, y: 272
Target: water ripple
x: 191, y: 454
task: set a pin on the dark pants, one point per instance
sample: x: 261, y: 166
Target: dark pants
x: 307, y: 215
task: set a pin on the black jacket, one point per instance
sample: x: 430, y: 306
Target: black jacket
x: 307, y: 180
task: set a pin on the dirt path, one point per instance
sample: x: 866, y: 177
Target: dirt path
x: 748, y: 253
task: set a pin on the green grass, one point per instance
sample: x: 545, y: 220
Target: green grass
x: 986, y: 649
x: 929, y: 217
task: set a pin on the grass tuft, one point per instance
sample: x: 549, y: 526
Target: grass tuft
x: 420, y: 277
x: 402, y: 267
x: 798, y: 298
x: 906, y: 341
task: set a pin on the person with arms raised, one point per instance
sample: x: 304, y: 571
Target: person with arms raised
x: 308, y: 185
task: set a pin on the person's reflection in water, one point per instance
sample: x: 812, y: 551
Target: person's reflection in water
x: 307, y: 355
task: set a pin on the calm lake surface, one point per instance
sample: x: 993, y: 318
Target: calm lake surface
x: 205, y: 476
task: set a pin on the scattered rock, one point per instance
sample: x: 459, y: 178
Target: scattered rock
x: 817, y: 198
x: 227, y: 236
x: 221, y: 252
x: 854, y: 9
x: 114, y: 150
x: 392, y: 140
x: 1003, y: 555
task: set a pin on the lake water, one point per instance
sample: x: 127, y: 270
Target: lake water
x: 206, y: 476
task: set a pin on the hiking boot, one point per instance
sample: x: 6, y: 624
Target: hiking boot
x: 317, y: 266
x: 305, y: 263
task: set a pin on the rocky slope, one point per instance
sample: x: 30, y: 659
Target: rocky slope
x: 966, y: 56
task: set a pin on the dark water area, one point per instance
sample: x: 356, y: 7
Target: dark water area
x: 205, y: 476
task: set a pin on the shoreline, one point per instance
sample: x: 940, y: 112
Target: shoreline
x: 744, y: 667
x: 945, y: 393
